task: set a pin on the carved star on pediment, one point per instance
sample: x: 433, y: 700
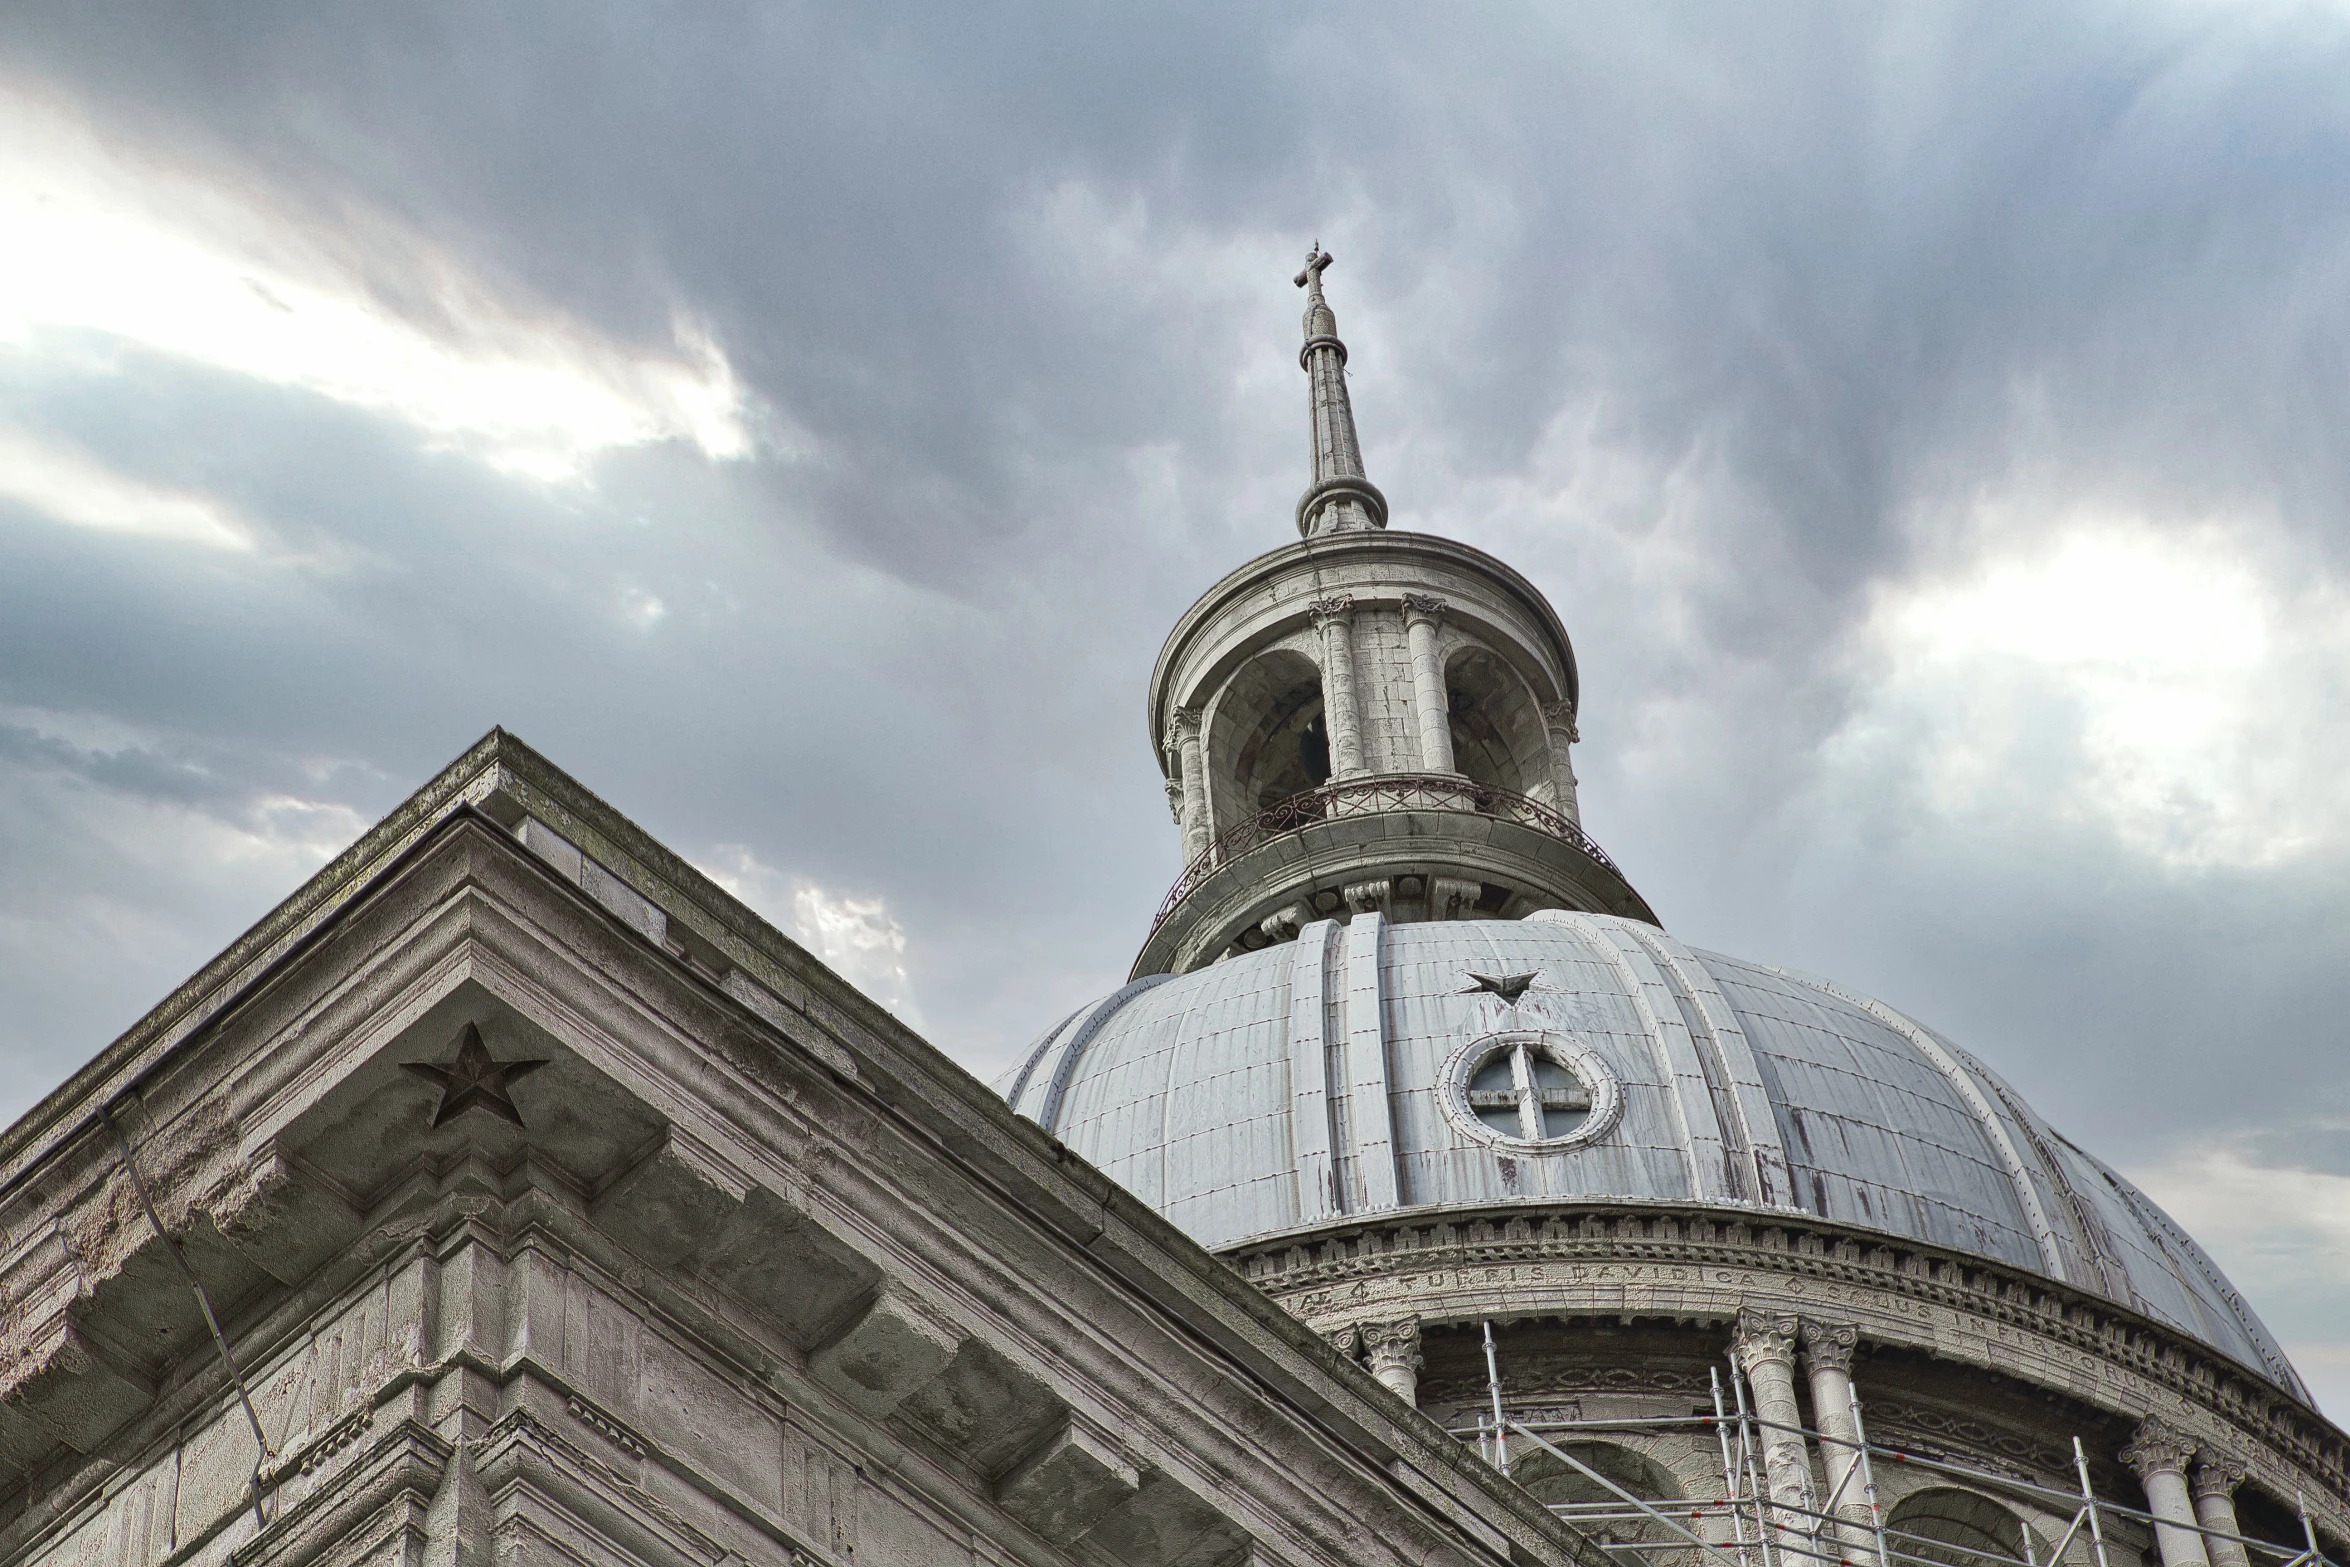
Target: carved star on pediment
x: 1507, y: 986
x: 473, y: 1081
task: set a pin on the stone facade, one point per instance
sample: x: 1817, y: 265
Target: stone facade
x: 552, y: 1207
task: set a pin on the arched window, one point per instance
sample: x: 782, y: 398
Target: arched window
x: 1497, y: 732
x: 1266, y: 737
x: 1959, y: 1529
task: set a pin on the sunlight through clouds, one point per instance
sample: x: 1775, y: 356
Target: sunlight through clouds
x: 118, y: 241
x: 71, y: 487
x: 2174, y: 686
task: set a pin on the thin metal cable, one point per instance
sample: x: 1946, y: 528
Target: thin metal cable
x: 203, y: 1303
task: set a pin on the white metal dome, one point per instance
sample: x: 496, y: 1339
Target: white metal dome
x: 1370, y: 1067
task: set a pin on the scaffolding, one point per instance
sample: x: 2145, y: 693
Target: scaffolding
x: 1748, y: 1527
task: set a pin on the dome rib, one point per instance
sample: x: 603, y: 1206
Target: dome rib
x: 1762, y: 1158
x: 2052, y: 1257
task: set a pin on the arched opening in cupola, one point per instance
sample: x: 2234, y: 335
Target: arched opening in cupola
x: 1267, y: 739
x: 1497, y: 732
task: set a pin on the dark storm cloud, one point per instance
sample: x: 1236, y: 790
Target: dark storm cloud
x: 1722, y: 322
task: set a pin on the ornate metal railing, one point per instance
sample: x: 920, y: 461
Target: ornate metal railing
x: 1369, y: 797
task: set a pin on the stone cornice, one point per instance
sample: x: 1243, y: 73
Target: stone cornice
x: 1666, y: 1260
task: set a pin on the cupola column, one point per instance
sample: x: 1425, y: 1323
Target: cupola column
x: 1423, y: 615
x: 1191, y: 763
x: 2159, y: 1454
x: 1765, y: 1346
x: 1558, y: 722
x: 1827, y: 1359
x: 1392, y: 1350
x: 1334, y: 620
x: 2217, y: 1475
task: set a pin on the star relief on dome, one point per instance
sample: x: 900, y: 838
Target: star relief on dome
x: 1507, y: 986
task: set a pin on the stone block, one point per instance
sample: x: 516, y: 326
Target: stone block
x: 1163, y: 1524
x: 984, y: 1409
x: 1068, y: 1485
x: 554, y: 848
x: 787, y: 1267
x: 287, y: 1222
x: 888, y: 1353
x: 671, y: 1203
x: 624, y: 902
x: 73, y: 1392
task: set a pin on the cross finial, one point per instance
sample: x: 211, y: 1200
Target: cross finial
x: 1311, y: 278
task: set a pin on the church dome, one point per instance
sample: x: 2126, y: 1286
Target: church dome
x: 1363, y: 1070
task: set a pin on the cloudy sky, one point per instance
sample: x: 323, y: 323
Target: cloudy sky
x: 803, y: 424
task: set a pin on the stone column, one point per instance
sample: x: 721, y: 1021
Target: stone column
x: 1421, y: 617
x: 2159, y: 1453
x: 1827, y: 1360
x: 1765, y: 1345
x: 1191, y: 757
x: 1334, y: 619
x: 1558, y: 720
x: 2217, y: 1474
x: 1392, y: 1350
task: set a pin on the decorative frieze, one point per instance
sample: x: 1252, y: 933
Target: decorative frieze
x: 1703, y: 1265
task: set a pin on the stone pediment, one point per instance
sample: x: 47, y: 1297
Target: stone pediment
x: 758, y: 1274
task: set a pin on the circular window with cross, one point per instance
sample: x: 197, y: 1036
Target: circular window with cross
x: 1531, y: 1089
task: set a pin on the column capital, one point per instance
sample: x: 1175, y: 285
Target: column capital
x: 1184, y: 721
x: 1828, y: 1346
x: 2158, y: 1448
x: 1392, y: 1344
x: 2218, y: 1472
x: 1764, y: 1336
x: 1422, y: 606
x: 1335, y: 610
x: 1560, y: 717
x: 1348, y: 1341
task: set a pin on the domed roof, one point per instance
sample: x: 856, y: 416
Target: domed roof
x: 1245, y: 1099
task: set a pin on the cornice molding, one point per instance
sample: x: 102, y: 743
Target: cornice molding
x: 1702, y: 1264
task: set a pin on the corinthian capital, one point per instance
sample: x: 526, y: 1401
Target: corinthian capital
x: 2158, y: 1448
x: 1765, y: 1334
x: 1422, y: 606
x: 1334, y: 610
x: 1559, y: 717
x: 1828, y: 1346
x: 1393, y: 1345
x: 1185, y: 722
x: 2218, y: 1472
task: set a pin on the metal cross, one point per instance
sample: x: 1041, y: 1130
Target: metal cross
x: 1311, y: 278
x: 1528, y: 1096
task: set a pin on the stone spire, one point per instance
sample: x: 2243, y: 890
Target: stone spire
x: 1340, y: 497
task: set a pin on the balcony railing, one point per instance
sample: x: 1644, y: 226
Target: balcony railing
x: 1372, y: 796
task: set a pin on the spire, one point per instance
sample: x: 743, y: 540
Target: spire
x: 1340, y: 497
